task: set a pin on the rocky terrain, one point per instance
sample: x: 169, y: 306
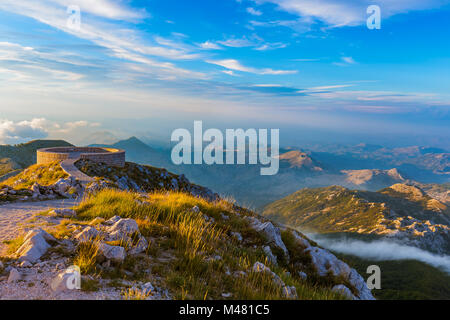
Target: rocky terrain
x: 144, y: 233
x: 402, y: 213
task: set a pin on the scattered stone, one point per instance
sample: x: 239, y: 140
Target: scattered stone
x: 35, y: 245
x: 141, y: 246
x: 87, y: 234
x: 148, y: 288
x: 227, y: 295
x: 290, y: 292
x: 114, y: 253
x: 237, y: 236
x: 195, y: 209
x: 302, y: 275
x: 124, y: 226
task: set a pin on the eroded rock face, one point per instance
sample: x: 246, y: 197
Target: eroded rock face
x: 35, y: 245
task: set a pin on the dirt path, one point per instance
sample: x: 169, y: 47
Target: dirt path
x: 13, y: 215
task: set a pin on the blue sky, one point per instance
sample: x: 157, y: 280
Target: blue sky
x: 146, y: 67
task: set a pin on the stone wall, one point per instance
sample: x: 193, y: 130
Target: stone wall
x: 109, y: 156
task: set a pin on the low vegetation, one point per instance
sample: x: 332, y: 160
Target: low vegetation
x: 191, y: 249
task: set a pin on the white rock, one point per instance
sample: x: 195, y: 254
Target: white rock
x: 302, y: 275
x: 302, y: 241
x: 112, y: 221
x: 125, y: 226
x: 290, y: 292
x: 326, y: 262
x: 140, y: 246
x: 114, y: 253
x: 270, y: 256
x: 343, y: 290
x: 272, y: 233
x: 237, y: 236
x: 148, y: 288
x: 195, y: 209
x: 35, y: 245
x: 87, y: 234
x: 14, y: 275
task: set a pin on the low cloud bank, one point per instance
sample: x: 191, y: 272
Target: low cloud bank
x: 383, y: 250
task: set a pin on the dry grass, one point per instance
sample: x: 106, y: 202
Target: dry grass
x: 135, y: 294
x: 194, y: 257
x: 44, y: 174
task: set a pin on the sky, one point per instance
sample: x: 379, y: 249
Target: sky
x: 311, y: 68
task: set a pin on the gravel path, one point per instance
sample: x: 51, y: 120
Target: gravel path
x: 13, y: 215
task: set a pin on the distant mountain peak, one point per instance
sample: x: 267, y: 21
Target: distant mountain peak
x: 299, y: 159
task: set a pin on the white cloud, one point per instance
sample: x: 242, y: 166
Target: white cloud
x: 254, y: 12
x: 236, y: 43
x: 235, y: 65
x: 210, y: 45
x: 345, y: 61
x: 12, y: 132
x: 16, y: 132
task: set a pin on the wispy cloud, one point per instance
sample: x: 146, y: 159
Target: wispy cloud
x: 120, y: 42
x: 338, y: 13
x: 235, y: 65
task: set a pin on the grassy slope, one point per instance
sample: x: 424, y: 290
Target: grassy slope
x: 405, y: 279
x: 8, y: 165
x: 24, y: 155
x: 43, y: 174
x: 337, y: 209
x: 183, y: 244
x: 330, y: 209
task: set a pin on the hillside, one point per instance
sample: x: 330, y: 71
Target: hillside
x: 372, y: 179
x: 24, y: 155
x: 400, y: 212
x: 144, y: 233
